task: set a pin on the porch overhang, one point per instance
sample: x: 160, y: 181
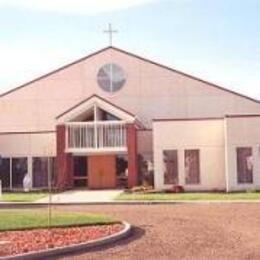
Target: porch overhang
x: 95, y: 126
x: 94, y: 151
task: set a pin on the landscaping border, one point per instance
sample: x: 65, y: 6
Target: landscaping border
x: 43, y: 254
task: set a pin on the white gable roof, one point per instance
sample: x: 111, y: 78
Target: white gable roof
x: 89, y: 103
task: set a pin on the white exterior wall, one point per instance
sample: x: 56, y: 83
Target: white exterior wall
x: 150, y: 92
x: 205, y: 135
x: 34, y: 144
x: 242, y: 132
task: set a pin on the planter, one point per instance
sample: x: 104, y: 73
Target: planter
x: 72, y: 248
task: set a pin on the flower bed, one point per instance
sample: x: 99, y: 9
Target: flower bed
x: 19, y: 242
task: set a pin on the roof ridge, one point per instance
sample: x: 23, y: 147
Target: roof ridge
x: 55, y: 71
x: 89, y: 98
x: 187, y: 75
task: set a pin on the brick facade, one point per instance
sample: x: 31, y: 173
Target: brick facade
x: 132, y: 155
x: 63, y: 160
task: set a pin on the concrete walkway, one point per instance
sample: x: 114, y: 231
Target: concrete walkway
x: 81, y: 196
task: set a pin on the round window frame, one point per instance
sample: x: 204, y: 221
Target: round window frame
x: 111, y: 88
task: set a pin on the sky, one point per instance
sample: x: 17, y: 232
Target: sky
x: 218, y: 41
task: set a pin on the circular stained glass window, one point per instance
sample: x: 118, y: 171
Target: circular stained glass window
x: 111, y: 77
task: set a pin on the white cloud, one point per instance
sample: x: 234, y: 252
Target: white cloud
x: 74, y: 6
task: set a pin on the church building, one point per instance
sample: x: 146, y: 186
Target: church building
x: 114, y: 119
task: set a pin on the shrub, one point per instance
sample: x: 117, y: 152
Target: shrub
x: 175, y: 189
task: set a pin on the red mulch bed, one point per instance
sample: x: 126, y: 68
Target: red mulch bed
x: 40, y: 239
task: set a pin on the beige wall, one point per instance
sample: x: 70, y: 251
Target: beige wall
x: 205, y: 135
x: 150, y: 92
x: 242, y: 132
x: 28, y: 145
x: 144, y: 141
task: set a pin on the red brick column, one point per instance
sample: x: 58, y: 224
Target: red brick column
x: 63, y: 160
x: 132, y: 155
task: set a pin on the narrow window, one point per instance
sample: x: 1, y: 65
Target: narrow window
x: 80, y: 170
x: 244, y: 165
x: 40, y: 171
x: 170, y: 160
x: 5, y: 172
x: 19, y: 170
x: 192, y: 166
x: 146, y: 168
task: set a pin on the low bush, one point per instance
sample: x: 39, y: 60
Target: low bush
x: 175, y: 189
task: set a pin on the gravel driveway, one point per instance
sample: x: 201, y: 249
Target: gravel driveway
x: 182, y: 231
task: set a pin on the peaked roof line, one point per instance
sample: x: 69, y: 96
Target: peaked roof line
x: 135, y: 56
x: 55, y: 71
x: 187, y: 75
x: 89, y: 98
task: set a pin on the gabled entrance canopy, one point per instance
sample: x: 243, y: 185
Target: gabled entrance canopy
x: 95, y: 127
x: 93, y: 105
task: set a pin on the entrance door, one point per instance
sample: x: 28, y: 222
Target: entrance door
x: 102, y: 171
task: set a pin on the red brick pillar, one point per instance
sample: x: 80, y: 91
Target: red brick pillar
x: 63, y: 160
x: 132, y: 155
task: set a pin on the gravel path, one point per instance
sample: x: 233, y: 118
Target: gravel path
x: 182, y: 231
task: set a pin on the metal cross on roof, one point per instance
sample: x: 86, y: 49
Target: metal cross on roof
x: 110, y: 32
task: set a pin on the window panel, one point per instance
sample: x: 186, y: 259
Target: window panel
x: 5, y: 172
x: 40, y: 171
x: 192, y: 166
x: 80, y: 166
x: 170, y: 160
x: 80, y: 171
x: 244, y: 165
x: 121, y: 170
x: 146, y: 168
x: 19, y: 170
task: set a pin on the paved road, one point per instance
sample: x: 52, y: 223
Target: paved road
x: 183, y: 231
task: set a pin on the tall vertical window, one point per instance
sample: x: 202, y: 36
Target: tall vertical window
x: 121, y: 170
x: 19, y: 170
x: 40, y: 171
x: 80, y: 170
x: 146, y: 168
x: 244, y: 165
x: 170, y: 160
x: 5, y: 172
x: 192, y: 166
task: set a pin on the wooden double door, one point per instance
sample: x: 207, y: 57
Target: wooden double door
x: 101, y: 171
x: 95, y: 171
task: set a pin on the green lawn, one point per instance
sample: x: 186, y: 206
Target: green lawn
x: 35, y: 218
x: 191, y: 196
x: 22, y: 196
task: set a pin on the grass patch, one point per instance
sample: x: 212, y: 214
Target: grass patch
x: 191, y: 196
x: 22, y: 196
x: 35, y: 218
